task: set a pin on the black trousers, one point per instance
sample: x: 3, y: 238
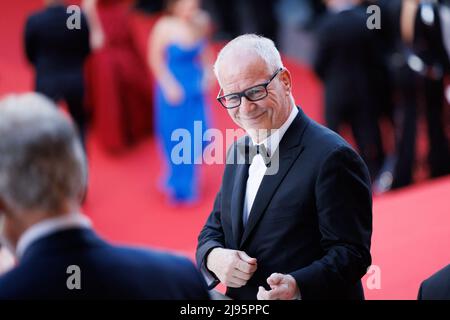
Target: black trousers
x: 439, y: 154
x: 405, y: 125
x: 72, y: 93
x: 361, y: 113
x: 409, y: 95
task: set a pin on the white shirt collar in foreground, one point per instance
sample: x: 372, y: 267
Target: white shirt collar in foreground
x: 341, y: 8
x: 49, y: 226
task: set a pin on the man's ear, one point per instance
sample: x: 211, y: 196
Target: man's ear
x: 286, y: 79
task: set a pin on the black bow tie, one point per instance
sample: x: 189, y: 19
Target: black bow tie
x: 253, y: 150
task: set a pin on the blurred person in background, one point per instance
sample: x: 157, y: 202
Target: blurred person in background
x: 118, y: 81
x: 226, y: 17
x: 418, y: 64
x: 58, y: 55
x: 43, y: 179
x: 261, y: 14
x: 428, y: 46
x: 234, y: 17
x: 403, y: 82
x: 349, y: 63
x: 180, y: 60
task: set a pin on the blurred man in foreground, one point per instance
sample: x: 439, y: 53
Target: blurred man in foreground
x: 43, y: 177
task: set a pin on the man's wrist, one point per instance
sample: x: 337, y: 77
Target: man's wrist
x: 209, y: 263
x: 297, y: 295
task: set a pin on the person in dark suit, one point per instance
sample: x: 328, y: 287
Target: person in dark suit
x: 350, y: 64
x: 418, y: 64
x: 436, y: 287
x: 58, y: 53
x: 262, y: 13
x: 428, y: 45
x: 296, y: 220
x: 43, y: 172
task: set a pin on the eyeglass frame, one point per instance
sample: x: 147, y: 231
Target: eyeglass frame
x: 242, y: 93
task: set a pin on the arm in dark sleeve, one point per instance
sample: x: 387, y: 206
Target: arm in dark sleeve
x: 196, y: 283
x: 210, y: 237
x: 30, y: 41
x: 344, y: 209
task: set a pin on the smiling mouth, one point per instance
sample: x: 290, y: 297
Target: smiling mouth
x: 254, y: 118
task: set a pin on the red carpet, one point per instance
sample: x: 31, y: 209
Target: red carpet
x: 411, y: 227
x: 411, y: 237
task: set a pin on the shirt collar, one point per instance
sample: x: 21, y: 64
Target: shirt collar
x: 50, y: 226
x: 272, y: 142
x: 341, y: 8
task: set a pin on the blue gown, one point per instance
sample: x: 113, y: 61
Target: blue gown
x: 184, y: 63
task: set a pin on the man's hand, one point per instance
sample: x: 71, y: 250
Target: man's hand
x: 283, y: 287
x: 233, y: 268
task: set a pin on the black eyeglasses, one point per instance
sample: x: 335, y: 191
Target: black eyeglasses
x: 255, y: 93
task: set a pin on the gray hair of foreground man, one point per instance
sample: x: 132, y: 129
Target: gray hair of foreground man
x: 42, y: 163
x: 250, y: 43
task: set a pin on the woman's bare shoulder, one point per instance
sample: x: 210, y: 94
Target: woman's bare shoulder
x: 164, y: 27
x: 163, y: 23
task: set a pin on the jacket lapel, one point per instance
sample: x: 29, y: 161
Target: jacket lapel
x: 289, y: 149
x: 237, y: 201
x: 238, y: 191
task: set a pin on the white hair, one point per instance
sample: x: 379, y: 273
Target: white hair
x: 42, y: 162
x: 251, y: 43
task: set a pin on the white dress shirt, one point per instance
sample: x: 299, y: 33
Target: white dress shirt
x: 258, y: 168
x: 256, y: 173
x: 49, y: 226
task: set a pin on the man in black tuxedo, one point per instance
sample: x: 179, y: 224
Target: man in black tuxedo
x: 43, y: 179
x: 436, y: 287
x: 429, y: 46
x: 350, y: 64
x: 296, y: 220
x: 58, y: 55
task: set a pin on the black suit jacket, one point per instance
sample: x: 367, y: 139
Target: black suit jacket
x: 57, y: 53
x: 436, y: 287
x: 107, y: 272
x: 349, y: 59
x: 313, y: 219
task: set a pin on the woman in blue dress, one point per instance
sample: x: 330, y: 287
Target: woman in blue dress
x: 180, y: 61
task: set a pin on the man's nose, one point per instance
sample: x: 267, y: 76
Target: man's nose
x: 247, y: 106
